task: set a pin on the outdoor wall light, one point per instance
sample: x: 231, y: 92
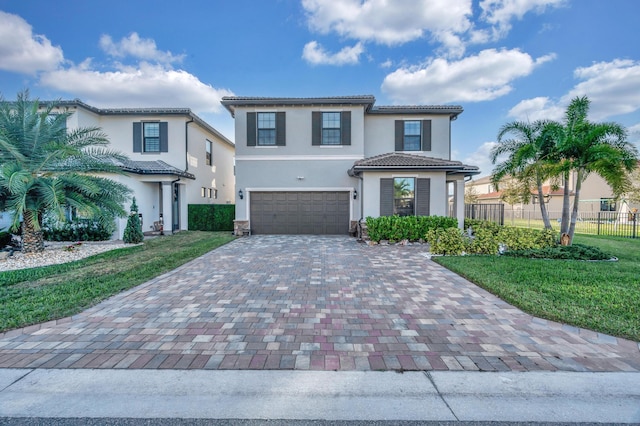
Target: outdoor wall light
x: 240, y: 194
x: 355, y: 194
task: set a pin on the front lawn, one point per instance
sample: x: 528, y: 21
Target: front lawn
x: 601, y: 296
x: 37, y: 295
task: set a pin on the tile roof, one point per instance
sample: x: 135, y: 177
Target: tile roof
x: 400, y: 160
x: 157, y: 167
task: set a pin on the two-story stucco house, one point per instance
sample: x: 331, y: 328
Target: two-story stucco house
x: 318, y: 165
x: 175, y: 159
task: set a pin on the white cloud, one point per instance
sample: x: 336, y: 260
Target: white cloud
x: 612, y: 88
x: 315, y: 54
x: 540, y: 108
x: 500, y: 13
x: 387, y: 64
x: 392, y: 22
x: 22, y: 51
x: 139, y: 48
x: 481, y: 157
x: 483, y: 77
x: 145, y: 85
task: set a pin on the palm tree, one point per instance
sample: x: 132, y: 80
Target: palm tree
x: 529, y: 153
x: 44, y: 168
x: 588, y: 147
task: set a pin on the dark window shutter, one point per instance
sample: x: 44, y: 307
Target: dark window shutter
x: 164, y: 136
x: 345, y: 127
x: 426, y: 135
x: 386, y: 197
x: 316, y: 128
x: 251, y: 129
x: 399, y: 135
x: 137, y: 137
x: 281, y: 129
x: 423, y: 195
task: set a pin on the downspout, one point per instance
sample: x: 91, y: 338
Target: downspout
x: 186, y: 145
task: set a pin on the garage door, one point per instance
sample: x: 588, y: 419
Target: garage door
x: 299, y: 212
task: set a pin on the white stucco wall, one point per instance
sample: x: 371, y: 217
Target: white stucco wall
x: 438, y: 201
x: 379, y: 135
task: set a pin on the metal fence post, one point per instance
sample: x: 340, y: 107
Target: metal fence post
x: 598, y: 223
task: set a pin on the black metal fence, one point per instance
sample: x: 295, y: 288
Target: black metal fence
x: 594, y: 223
x: 491, y: 212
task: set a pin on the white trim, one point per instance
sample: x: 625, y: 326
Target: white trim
x: 297, y: 157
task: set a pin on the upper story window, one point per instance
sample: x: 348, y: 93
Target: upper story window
x: 413, y: 135
x: 208, y: 148
x: 150, y: 136
x: 607, y: 205
x: 266, y: 129
x: 331, y: 128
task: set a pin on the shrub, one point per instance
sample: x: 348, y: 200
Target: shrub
x: 484, y: 241
x: 211, y: 217
x: 450, y: 241
x: 77, y: 230
x: 133, y: 231
x: 476, y: 224
x: 412, y: 228
x: 573, y: 252
x: 525, y: 238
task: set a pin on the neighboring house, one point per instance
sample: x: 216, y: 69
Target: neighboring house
x: 595, y: 196
x: 175, y: 157
x: 319, y: 165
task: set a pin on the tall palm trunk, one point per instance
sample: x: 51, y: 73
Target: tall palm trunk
x: 564, y: 224
x: 32, y: 240
x: 574, y: 211
x: 543, y: 206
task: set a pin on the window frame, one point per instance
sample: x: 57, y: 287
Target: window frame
x: 146, y: 138
x: 409, y: 199
x: 272, y: 131
x: 326, y: 129
x: 208, y: 148
x: 424, y: 137
x: 608, y: 205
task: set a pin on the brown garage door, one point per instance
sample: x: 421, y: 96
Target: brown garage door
x: 299, y: 212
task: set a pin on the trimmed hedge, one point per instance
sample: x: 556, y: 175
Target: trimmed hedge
x: 412, y: 228
x: 78, y: 230
x: 211, y: 217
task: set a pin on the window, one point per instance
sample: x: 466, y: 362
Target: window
x: 210, y: 192
x: 203, y: 192
x: 208, y: 147
x: 413, y: 135
x: 405, y: 196
x: 266, y: 129
x: 607, y: 205
x: 331, y: 128
x: 151, y: 137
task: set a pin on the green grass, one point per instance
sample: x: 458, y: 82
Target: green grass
x: 35, y: 295
x: 601, y: 296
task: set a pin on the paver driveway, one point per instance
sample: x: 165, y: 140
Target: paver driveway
x: 302, y: 302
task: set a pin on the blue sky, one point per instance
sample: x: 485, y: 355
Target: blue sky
x: 502, y: 60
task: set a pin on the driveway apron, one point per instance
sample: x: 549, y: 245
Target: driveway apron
x: 312, y: 303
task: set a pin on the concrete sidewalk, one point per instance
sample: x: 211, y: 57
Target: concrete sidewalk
x: 321, y: 395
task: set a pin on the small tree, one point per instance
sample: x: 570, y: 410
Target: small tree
x: 470, y: 195
x: 133, y: 232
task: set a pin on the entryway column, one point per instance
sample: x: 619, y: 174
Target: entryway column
x: 167, y: 204
x: 458, y: 202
